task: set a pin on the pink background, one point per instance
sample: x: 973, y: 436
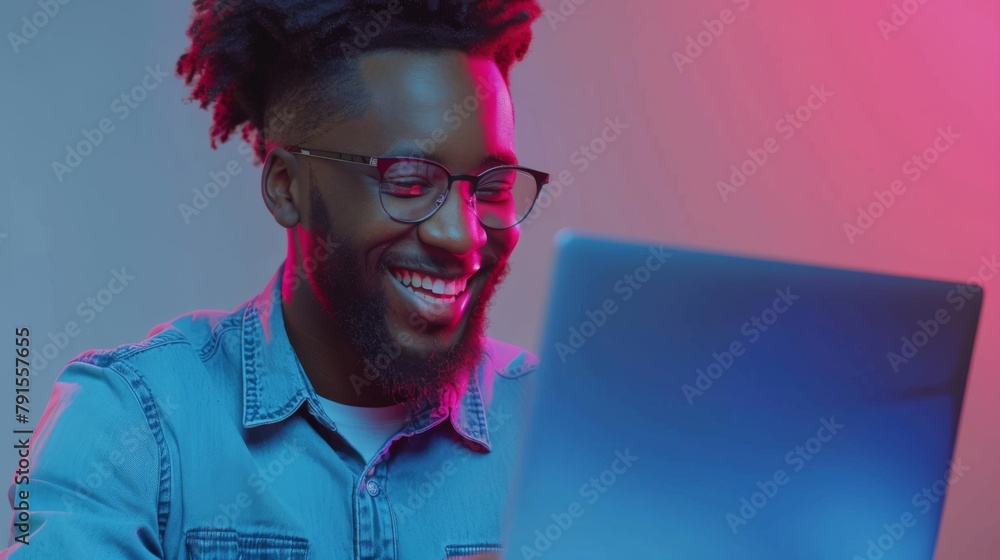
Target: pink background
x: 890, y: 96
x: 892, y: 89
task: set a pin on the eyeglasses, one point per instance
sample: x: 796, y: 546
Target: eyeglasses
x: 411, y: 190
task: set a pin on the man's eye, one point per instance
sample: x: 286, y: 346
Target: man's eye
x: 494, y: 192
x: 405, y: 188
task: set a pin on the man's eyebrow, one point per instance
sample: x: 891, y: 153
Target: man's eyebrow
x: 502, y: 157
x: 407, y: 151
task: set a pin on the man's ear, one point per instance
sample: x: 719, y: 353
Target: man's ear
x: 282, y: 187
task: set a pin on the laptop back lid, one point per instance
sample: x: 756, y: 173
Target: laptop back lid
x: 695, y: 405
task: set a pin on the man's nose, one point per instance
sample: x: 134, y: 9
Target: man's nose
x: 455, y: 227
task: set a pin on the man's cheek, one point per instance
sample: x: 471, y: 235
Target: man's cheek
x: 505, y: 240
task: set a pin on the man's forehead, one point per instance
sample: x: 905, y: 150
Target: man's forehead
x: 441, y: 105
x: 401, y: 67
x: 440, y: 88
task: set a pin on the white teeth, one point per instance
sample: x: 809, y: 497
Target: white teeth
x: 430, y: 298
x: 441, y: 287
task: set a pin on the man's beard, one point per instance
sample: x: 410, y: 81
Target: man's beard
x: 357, y: 304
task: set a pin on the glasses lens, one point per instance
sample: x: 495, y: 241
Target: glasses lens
x: 505, y: 196
x: 410, y: 190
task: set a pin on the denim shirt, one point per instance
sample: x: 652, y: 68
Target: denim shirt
x: 207, y: 441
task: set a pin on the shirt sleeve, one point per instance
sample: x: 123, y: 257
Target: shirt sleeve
x: 93, y: 483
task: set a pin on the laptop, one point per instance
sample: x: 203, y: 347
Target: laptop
x: 693, y: 405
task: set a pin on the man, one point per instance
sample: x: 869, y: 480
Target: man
x: 355, y: 408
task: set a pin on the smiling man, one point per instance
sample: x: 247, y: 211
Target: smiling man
x: 355, y: 408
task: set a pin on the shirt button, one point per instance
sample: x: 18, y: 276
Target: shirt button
x: 372, y: 488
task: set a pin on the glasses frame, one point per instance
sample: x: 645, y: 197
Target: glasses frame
x: 384, y: 163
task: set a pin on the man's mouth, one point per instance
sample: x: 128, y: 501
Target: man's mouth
x: 430, y: 288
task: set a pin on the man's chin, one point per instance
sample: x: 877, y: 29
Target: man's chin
x: 428, y: 339
x: 423, y: 358
x: 421, y: 370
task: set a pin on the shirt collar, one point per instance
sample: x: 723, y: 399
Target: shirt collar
x: 275, y: 385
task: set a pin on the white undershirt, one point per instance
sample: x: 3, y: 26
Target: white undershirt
x: 366, y: 428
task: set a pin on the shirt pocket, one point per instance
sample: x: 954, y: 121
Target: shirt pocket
x: 211, y: 544
x: 473, y: 552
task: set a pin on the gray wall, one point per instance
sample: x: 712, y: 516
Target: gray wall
x: 689, y: 120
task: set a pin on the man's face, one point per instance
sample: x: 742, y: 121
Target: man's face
x: 450, y: 108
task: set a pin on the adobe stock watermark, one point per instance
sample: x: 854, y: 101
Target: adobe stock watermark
x: 88, y: 309
x: 219, y: 181
x: 581, y: 158
x: 914, y: 168
x: 923, y: 501
x: 259, y: 481
x: 322, y: 251
x: 592, y: 490
x: 388, y: 352
x: 31, y: 25
x: 900, y: 15
x: 698, y: 43
x: 456, y: 115
x: 278, y: 121
x: 123, y: 105
x: 787, y: 126
x: 433, y: 480
x: 520, y: 369
x: 927, y: 329
x: 102, y: 471
x: 752, y: 331
x: 626, y: 288
x: 797, y: 459
x: 372, y: 28
x: 563, y: 11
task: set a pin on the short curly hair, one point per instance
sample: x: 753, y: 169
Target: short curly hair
x: 250, y: 57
